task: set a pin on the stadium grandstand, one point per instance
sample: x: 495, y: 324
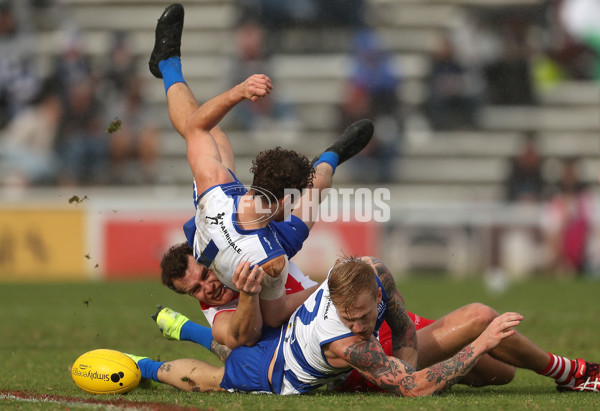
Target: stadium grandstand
x: 447, y: 179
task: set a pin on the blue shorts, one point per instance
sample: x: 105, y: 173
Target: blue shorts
x: 247, y: 368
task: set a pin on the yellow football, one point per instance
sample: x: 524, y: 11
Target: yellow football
x: 105, y: 371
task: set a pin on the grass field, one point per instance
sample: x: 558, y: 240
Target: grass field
x: 45, y: 327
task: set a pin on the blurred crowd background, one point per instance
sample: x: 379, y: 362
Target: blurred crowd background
x: 493, y: 105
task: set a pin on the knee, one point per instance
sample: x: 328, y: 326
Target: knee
x: 480, y: 315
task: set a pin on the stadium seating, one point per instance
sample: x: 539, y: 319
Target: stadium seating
x: 462, y: 164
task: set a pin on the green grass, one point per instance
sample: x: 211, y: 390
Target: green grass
x: 45, y: 327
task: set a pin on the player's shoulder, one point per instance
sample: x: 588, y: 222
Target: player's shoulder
x: 213, y: 175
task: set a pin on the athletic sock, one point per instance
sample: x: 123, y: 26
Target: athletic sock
x: 328, y: 157
x: 190, y: 331
x: 171, y: 71
x: 560, y: 368
x: 149, y: 368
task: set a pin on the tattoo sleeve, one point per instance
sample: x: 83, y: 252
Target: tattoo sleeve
x: 404, y: 333
x: 447, y: 373
x: 388, y: 373
x: 396, y: 376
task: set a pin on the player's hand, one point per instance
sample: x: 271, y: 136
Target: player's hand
x: 248, y: 281
x: 500, y: 328
x: 255, y: 87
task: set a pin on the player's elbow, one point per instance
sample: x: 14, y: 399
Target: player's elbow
x: 250, y: 339
x: 275, y: 319
x: 239, y: 339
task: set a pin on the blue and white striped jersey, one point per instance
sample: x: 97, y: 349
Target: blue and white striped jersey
x: 220, y: 244
x: 314, y: 324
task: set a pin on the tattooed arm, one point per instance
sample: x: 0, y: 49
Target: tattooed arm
x: 221, y: 351
x: 404, y: 333
x: 397, y: 377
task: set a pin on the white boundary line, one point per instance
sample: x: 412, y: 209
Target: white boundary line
x: 99, y: 405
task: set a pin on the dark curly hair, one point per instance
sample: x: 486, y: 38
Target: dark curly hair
x: 174, y: 263
x: 277, y: 169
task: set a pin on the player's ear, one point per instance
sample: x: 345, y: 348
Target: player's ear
x: 379, y: 295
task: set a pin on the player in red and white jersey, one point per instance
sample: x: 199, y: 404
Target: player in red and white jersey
x: 296, y: 281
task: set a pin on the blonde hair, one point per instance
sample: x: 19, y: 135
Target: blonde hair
x: 350, y: 277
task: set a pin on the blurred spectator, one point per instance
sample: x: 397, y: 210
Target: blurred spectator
x: 345, y: 13
x: 475, y: 46
x: 137, y: 138
x: 524, y: 182
x: 19, y: 82
x: 252, y: 56
x: 71, y: 66
x: 120, y: 69
x: 568, y: 221
x: 449, y: 104
x: 280, y: 14
x: 134, y: 146
x: 581, y: 19
x: 28, y: 143
x: 371, y: 92
x: 524, y: 186
x: 573, y: 58
x: 83, y: 142
x: 509, y: 79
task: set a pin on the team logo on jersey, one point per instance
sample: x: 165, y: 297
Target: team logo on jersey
x: 290, y: 335
x: 327, y: 304
x: 381, y: 309
x: 216, y: 219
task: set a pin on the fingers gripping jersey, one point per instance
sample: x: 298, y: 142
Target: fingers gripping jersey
x: 220, y: 244
x: 314, y: 324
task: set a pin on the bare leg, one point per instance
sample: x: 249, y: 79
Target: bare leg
x: 451, y: 332
x: 307, y: 207
x: 182, y: 104
x: 489, y: 371
x: 191, y: 375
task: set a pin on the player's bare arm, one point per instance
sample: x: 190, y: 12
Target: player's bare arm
x: 202, y: 149
x: 398, y: 377
x: 404, y: 333
x: 225, y: 149
x: 242, y: 326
